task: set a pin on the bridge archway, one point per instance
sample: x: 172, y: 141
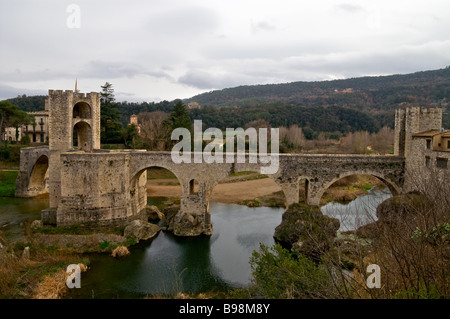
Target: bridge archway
x: 39, y: 175
x: 393, y: 188
x: 154, y: 185
x: 82, y: 110
x: 82, y: 136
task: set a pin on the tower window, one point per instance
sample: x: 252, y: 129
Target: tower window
x: 428, y: 144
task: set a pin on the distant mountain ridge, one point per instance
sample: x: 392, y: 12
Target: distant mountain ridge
x: 336, y: 106
x: 419, y: 87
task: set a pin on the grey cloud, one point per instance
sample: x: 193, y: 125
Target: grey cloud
x: 182, y: 22
x: 205, y: 80
x: 263, y: 26
x: 351, y: 8
x: 103, y: 69
x: 7, y: 92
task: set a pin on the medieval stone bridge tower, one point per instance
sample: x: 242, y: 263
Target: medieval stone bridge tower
x: 74, y: 125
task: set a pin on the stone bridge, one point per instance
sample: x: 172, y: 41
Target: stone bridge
x: 91, y: 186
x: 104, y: 187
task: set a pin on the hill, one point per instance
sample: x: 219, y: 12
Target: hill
x: 381, y: 92
x: 330, y: 106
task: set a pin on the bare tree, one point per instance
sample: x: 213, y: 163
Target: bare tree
x: 153, y: 131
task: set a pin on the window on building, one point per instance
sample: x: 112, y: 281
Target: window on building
x: 428, y: 144
x: 448, y: 144
x: 441, y: 162
x: 427, y: 161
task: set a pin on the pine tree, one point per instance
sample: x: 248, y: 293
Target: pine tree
x: 111, y: 128
x: 179, y: 117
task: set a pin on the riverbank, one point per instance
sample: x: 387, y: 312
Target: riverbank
x: 50, y: 251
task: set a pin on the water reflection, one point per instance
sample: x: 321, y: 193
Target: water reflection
x: 169, y: 264
x: 16, y: 211
x: 358, y: 212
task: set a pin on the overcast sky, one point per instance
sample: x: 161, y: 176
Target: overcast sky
x: 154, y: 50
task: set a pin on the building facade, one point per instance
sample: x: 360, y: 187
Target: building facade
x: 37, y: 131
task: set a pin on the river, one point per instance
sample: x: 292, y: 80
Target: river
x: 168, y: 264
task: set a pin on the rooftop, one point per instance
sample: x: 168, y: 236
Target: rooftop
x: 432, y: 133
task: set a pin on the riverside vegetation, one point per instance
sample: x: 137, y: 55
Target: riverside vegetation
x: 310, y: 260
x: 409, y: 241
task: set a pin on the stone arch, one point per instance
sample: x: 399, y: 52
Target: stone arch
x: 82, y: 136
x: 138, y: 187
x: 39, y: 175
x: 393, y: 187
x: 82, y: 110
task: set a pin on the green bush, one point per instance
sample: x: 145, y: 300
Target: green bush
x: 25, y: 140
x: 281, y: 274
x: 5, y: 152
x: 8, y: 183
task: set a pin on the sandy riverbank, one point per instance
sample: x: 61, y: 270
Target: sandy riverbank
x: 225, y: 193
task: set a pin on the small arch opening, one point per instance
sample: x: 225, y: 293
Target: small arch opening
x: 303, y: 190
x: 193, y: 187
x: 82, y: 110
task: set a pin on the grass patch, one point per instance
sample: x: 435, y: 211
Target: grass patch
x: 8, y: 183
x: 272, y: 200
x: 159, y: 173
x: 77, y: 230
x: 163, y: 202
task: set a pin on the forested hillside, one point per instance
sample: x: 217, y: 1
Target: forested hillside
x: 380, y: 92
x: 337, y: 106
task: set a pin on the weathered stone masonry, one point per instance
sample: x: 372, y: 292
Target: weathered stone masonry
x: 100, y: 187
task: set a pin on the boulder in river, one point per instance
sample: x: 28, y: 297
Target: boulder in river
x: 139, y: 230
x: 154, y: 214
x: 306, y: 230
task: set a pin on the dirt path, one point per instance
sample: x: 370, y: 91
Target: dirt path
x: 225, y: 193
